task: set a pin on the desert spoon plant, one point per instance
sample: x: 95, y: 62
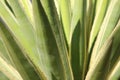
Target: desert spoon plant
x: 59, y: 39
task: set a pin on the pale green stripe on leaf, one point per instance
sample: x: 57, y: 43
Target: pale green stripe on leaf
x: 9, y: 71
x: 95, y: 66
x: 20, y: 15
x: 5, y: 56
x: 23, y: 35
x: 102, y: 53
x: 12, y: 55
x: 99, y: 16
x: 76, y: 11
x: 65, y: 11
x: 55, y: 24
x: 116, y: 47
x: 41, y: 41
x: 115, y: 73
x: 3, y: 77
x: 110, y: 21
x: 57, y: 6
x: 26, y: 5
x: 18, y: 59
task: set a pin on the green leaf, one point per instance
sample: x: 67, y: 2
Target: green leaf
x: 16, y: 56
x: 76, y: 15
x: 22, y: 34
x: 102, y: 54
x: 19, y: 12
x: 115, y: 55
x: 26, y: 5
x: 5, y: 56
x: 101, y: 9
x: 75, y: 54
x: 9, y: 71
x: 65, y: 11
x: 41, y: 40
x: 99, y: 60
x: 3, y: 77
x: 115, y: 72
x: 50, y: 56
x: 107, y: 26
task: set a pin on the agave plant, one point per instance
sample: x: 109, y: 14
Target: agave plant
x: 59, y: 39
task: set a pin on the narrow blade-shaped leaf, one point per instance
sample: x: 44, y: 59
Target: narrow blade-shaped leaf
x: 9, y: 71
x: 60, y: 53
x: 109, y: 23
x: 99, y: 16
x: 65, y: 11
